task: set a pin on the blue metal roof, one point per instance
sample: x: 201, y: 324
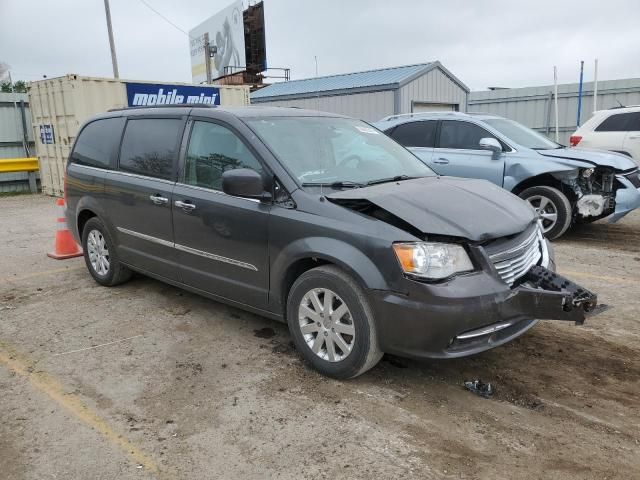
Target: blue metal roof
x: 385, y: 77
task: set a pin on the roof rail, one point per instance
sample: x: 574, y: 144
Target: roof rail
x: 172, y: 105
x: 417, y: 114
x: 623, y: 106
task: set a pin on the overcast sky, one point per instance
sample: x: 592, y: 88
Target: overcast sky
x: 484, y: 43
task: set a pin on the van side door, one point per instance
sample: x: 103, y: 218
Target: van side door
x: 138, y: 194
x: 222, y: 241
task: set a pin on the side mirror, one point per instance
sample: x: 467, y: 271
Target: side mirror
x: 243, y: 182
x: 492, y: 145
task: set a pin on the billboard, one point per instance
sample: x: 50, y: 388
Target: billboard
x: 149, y: 94
x: 226, y: 34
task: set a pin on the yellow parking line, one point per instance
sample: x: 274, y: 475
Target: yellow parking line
x: 42, y: 273
x: 48, y: 385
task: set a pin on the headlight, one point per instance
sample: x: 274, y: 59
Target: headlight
x: 433, y: 261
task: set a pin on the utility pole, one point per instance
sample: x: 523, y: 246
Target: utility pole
x: 114, y: 60
x: 555, y: 101
x: 595, y: 86
x: 580, y: 94
x: 207, y: 57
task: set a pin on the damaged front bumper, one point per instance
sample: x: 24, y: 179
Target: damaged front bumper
x: 554, y: 297
x: 466, y: 319
x: 627, y: 198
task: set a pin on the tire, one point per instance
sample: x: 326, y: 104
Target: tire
x: 363, y: 352
x: 93, y: 234
x: 554, y: 201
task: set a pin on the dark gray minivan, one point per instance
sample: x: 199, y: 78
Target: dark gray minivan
x: 314, y: 219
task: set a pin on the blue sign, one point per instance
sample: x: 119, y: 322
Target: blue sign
x: 46, y: 134
x: 149, y: 94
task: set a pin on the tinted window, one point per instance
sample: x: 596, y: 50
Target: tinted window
x: 416, y: 134
x: 97, y: 142
x: 214, y: 149
x: 150, y: 146
x: 620, y: 122
x: 463, y: 135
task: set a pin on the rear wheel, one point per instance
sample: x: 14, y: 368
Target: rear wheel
x: 332, y: 323
x: 100, y: 255
x: 552, y: 206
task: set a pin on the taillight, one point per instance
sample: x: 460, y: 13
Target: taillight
x: 574, y: 140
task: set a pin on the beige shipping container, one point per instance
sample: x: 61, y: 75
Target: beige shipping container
x: 59, y: 106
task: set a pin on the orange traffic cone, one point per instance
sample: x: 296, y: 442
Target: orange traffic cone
x: 65, y: 247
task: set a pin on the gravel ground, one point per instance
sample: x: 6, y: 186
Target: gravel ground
x: 192, y: 389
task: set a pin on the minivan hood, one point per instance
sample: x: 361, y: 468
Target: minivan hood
x: 473, y: 209
x: 592, y: 157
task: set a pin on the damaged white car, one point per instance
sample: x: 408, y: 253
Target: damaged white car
x: 565, y: 186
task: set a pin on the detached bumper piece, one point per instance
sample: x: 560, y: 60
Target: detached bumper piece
x: 554, y: 297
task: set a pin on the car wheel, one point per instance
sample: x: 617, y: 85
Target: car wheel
x: 554, y: 209
x: 100, y: 255
x: 332, y: 323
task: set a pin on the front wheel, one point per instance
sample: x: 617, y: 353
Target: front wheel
x: 552, y: 206
x: 332, y: 323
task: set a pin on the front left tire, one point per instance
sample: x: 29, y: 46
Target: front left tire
x: 332, y: 323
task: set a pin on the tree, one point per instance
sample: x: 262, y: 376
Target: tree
x: 18, y: 87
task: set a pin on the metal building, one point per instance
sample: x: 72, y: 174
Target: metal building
x: 15, y: 131
x: 534, y: 106
x: 373, y: 94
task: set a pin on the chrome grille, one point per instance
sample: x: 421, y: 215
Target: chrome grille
x: 513, y: 263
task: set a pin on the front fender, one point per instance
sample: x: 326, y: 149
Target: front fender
x: 627, y: 199
x: 344, y: 255
x: 518, y: 170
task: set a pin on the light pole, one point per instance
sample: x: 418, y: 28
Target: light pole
x: 114, y: 60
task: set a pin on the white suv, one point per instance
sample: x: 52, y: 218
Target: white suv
x: 617, y: 129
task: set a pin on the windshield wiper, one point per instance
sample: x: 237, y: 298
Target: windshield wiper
x: 397, y: 178
x: 341, y: 184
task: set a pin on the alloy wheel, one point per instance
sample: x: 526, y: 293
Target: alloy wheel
x: 326, y: 324
x: 546, y: 210
x: 98, y: 252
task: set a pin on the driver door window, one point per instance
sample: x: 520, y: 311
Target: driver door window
x: 458, y: 153
x: 462, y: 135
x: 213, y: 149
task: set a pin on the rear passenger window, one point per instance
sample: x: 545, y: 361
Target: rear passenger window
x: 620, y: 122
x: 213, y: 149
x: 416, y: 134
x: 634, y: 122
x: 97, y: 143
x: 150, y: 146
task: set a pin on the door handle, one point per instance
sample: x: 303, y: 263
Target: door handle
x: 158, y: 200
x: 441, y: 161
x: 634, y: 137
x: 186, y: 206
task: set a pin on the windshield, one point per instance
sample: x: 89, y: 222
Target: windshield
x: 522, y: 135
x: 326, y: 150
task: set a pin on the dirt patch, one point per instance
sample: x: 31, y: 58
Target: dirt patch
x: 266, y: 332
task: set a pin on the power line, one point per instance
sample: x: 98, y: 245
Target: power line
x: 163, y: 17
